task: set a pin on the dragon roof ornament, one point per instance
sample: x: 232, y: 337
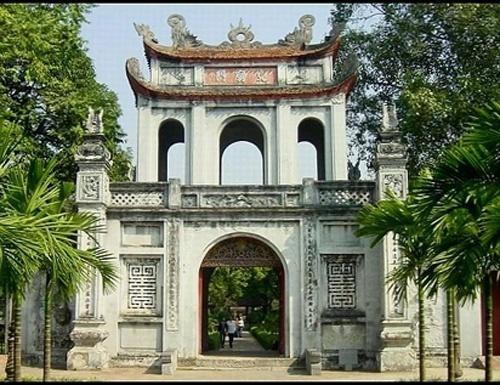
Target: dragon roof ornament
x: 302, y: 35
x: 181, y: 37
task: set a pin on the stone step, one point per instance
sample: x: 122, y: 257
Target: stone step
x: 254, y: 363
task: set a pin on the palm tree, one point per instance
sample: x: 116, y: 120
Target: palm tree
x: 462, y: 195
x: 70, y: 268
x: 30, y: 232
x: 395, y: 215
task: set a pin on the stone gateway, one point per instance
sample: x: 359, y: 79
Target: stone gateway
x: 167, y: 237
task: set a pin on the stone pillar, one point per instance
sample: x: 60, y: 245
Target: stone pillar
x: 311, y: 337
x: 195, y: 147
x: 92, y: 195
x: 336, y: 146
x: 396, y: 336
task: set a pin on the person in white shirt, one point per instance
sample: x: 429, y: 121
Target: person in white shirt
x: 241, y: 324
x: 231, y: 330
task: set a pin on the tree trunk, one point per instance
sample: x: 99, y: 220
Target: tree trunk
x: 421, y: 330
x: 451, y: 352
x: 47, y: 331
x: 488, y: 311
x: 9, y: 367
x: 17, y: 337
x: 456, y: 340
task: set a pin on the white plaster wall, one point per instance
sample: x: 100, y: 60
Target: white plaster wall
x: 336, y: 236
x: 470, y: 329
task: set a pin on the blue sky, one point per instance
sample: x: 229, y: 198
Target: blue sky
x: 112, y: 39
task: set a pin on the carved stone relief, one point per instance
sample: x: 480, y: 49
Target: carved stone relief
x: 241, y: 251
x: 189, y: 201
x: 90, y: 187
x: 173, y: 274
x: 394, y: 182
x: 240, y: 200
x: 310, y: 279
x: 177, y: 76
x: 93, y: 151
x: 304, y: 74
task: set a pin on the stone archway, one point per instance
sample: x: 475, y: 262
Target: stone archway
x: 240, y: 251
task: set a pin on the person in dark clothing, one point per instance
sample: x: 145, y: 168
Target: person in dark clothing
x: 222, y: 332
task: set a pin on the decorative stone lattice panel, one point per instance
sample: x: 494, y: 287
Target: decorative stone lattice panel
x: 142, y: 293
x: 341, y: 278
x: 138, y: 199
x: 344, y: 197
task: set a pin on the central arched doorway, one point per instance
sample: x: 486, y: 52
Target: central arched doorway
x: 240, y: 251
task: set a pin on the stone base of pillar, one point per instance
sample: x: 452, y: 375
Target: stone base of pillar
x: 396, y: 353
x: 396, y: 360
x: 88, y: 352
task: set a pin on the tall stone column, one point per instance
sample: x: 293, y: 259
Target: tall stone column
x: 396, y: 336
x: 92, y: 195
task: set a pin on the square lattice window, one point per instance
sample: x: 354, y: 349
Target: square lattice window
x: 142, y: 290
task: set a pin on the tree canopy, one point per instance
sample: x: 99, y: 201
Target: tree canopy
x: 47, y: 82
x: 436, y: 61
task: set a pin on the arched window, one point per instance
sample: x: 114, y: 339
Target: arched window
x: 311, y: 149
x: 241, y: 156
x: 171, y: 151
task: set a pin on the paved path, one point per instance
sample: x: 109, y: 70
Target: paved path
x: 245, y: 346
x: 242, y: 375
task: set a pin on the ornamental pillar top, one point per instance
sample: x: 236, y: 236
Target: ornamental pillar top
x: 93, y: 149
x: 390, y: 151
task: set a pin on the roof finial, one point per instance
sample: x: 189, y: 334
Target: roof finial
x: 389, y: 117
x: 302, y: 35
x: 94, y: 122
x: 181, y: 37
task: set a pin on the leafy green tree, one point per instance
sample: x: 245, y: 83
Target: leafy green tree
x: 393, y: 215
x: 436, y: 61
x: 462, y: 195
x: 47, y: 82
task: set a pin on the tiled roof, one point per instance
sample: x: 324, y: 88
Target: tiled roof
x: 265, y: 52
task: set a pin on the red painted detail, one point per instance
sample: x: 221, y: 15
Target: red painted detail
x: 281, y: 332
x: 201, y: 308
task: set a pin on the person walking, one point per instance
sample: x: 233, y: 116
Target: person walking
x: 231, y: 330
x: 222, y: 328
x: 241, y: 325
